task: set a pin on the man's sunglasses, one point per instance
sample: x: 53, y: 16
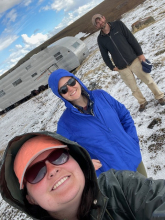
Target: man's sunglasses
x: 38, y: 171
x: 64, y: 88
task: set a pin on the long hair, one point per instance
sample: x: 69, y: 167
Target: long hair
x: 90, y: 191
x: 88, y: 196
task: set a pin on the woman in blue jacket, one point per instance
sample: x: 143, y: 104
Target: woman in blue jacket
x: 98, y: 122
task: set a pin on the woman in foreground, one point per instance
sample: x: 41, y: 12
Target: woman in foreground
x: 49, y: 177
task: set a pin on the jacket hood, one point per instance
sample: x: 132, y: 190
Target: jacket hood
x: 9, y: 185
x: 54, y: 79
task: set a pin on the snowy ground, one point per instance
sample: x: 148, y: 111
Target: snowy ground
x: 43, y: 111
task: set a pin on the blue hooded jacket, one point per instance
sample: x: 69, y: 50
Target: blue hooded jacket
x: 109, y: 135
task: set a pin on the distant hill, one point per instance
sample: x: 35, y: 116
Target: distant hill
x: 111, y: 9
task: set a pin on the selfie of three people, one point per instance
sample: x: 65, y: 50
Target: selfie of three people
x: 91, y: 168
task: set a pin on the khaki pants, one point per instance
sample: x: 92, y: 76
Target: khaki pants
x: 141, y: 169
x: 129, y: 79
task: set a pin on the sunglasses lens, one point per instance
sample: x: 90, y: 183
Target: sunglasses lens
x: 38, y: 171
x: 59, y: 157
x: 63, y: 90
x: 71, y: 82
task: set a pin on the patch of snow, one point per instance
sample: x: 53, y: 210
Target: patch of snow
x: 43, y: 111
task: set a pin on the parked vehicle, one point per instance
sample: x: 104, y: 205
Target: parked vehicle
x: 32, y: 75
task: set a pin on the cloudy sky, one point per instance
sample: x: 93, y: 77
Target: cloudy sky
x: 25, y: 24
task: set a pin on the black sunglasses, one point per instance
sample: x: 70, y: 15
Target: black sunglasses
x: 38, y: 171
x: 64, y: 88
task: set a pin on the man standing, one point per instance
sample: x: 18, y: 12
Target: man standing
x: 127, y: 56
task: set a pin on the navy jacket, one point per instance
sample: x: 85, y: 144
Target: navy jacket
x: 121, y: 44
x: 109, y: 135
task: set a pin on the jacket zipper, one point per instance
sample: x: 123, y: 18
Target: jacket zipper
x: 92, y: 113
x: 109, y: 214
x: 117, y: 49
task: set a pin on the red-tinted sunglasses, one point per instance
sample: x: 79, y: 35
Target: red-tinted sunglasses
x: 64, y: 88
x: 38, y: 171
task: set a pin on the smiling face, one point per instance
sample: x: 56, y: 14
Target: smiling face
x: 60, y: 189
x: 74, y: 92
x: 100, y: 23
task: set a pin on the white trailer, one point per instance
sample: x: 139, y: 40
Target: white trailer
x: 66, y: 53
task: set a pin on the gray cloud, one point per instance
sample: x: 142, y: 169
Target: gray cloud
x: 7, y: 4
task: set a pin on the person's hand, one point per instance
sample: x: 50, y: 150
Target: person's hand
x: 96, y: 163
x: 115, y: 69
x: 142, y: 58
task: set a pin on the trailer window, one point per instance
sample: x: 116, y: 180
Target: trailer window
x: 34, y: 74
x: 75, y: 45
x: 18, y: 81
x: 58, y: 56
x: 2, y: 93
x: 28, y: 67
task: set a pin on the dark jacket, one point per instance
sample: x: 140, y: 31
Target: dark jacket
x: 122, y: 195
x: 108, y: 135
x: 121, y: 44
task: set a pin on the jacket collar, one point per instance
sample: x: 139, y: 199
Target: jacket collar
x: 89, y: 109
x: 102, y: 33
x: 101, y: 201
